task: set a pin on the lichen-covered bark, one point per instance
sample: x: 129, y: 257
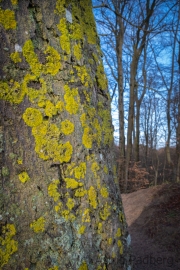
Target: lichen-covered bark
x: 60, y: 202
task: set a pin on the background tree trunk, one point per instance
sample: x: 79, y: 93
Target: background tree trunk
x: 119, y: 52
x: 60, y: 202
x: 134, y: 64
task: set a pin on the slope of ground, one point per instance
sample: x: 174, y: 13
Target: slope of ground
x: 153, y: 217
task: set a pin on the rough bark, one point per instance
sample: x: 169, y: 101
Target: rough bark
x: 60, y: 203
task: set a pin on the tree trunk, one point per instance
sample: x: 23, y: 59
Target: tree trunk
x: 178, y: 146
x: 119, y: 52
x: 60, y: 205
x: 168, y: 154
x: 136, y: 152
x: 138, y: 101
x: 134, y: 64
x: 178, y: 126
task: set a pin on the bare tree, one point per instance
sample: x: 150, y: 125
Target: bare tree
x: 132, y: 26
x: 168, y: 73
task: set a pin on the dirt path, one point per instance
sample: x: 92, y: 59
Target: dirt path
x: 148, y: 254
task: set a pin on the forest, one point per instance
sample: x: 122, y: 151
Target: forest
x: 141, y: 51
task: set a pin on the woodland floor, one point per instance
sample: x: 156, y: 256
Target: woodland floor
x: 153, y: 217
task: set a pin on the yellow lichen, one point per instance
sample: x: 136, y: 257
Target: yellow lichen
x: 101, y: 77
x: 64, y: 38
x: 67, y: 215
x: 41, y: 104
x: 42, y: 130
x: 60, y: 106
x: 95, y: 168
x: 12, y: 92
x: 77, y: 51
x: 50, y: 109
x: 71, y: 72
x: 60, y: 6
x: 106, y: 124
x: 88, y: 23
x: 67, y: 127
x: 76, y: 28
x: 58, y: 207
x: 87, y: 95
x: 72, y: 183
x: 72, y: 105
x: 19, y: 161
x: 46, y: 138
x: 53, y: 150
x: 51, y: 66
x: 15, y: 57
x: 54, y: 268
x: 14, y: 2
x: 86, y: 216
x: 70, y: 168
x: 92, y: 129
x: 70, y: 203
x: 110, y: 241
x: 87, y: 138
x: 47, y: 145
x: 84, y: 76
x: 80, y: 192
x: 106, y: 169
x: 120, y: 245
x: 104, y: 192
x: 91, y: 35
x: 38, y: 225
x: 83, y: 120
x: 23, y: 177
x: 52, y: 190
x: 83, y: 266
x: 33, y: 93
x: 53, y: 61
x: 121, y: 217
x: 96, y: 59
x: 105, y: 212
x: 8, y: 246
x: 7, y: 19
x: 91, y: 62
x: 82, y: 229
x: 100, y: 228
x: 118, y: 234
x: 92, y: 194
x: 83, y: 23
x: 32, y: 117
x: 64, y: 152
x: 98, y: 134
x: 91, y: 112
x: 31, y: 57
x: 80, y: 170
x: 115, y: 174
